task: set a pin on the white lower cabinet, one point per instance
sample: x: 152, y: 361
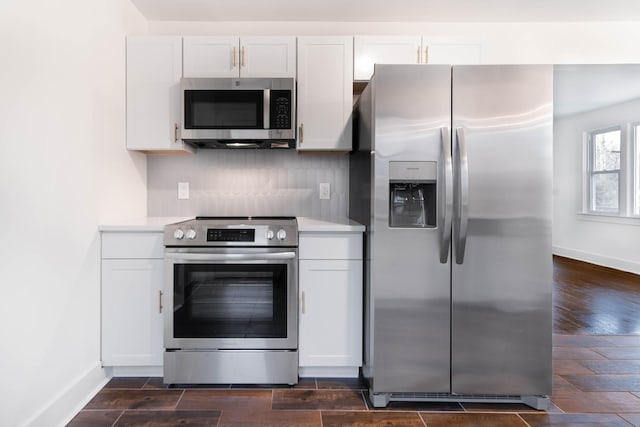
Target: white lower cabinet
x: 132, y: 327
x: 330, y: 328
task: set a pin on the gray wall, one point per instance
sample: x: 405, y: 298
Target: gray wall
x: 248, y: 183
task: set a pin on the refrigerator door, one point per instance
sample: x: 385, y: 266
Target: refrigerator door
x: 408, y: 307
x: 502, y: 271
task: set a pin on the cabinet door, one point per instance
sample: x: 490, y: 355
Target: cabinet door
x: 131, y: 317
x: 206, y: 56
x: 268, y: 57
x: 370, y: 50
x: 450, y: 51
x: 330, y: 313
x: 325, y: 93
x: 154, y: 68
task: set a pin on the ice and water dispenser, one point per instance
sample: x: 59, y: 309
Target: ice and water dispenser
x: 412, y: 194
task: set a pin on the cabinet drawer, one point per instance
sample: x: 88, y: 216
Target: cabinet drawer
x: 132, y: 245
x: 330, y: 245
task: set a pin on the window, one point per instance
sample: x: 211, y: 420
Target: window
x: 604, y: 171
x: 612, y: 171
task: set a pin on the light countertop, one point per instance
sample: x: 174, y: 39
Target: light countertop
x: 332, y: 225
x: 146, y: 223
x: 157, y: 223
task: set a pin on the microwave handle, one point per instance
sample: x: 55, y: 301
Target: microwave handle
x: 266, y: 108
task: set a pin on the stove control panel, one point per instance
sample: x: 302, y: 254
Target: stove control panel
x: 237, y: 232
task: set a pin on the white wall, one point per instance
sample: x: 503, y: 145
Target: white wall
x: 604, y: 241
x: 63, y: 170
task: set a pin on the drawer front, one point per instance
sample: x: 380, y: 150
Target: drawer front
x: 132, y: 245
x: 321, y: 245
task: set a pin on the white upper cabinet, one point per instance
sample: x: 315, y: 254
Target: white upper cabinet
x: 214, y: 56
x: 325, y: 93
x: 154, y: 68
x: 370, y: 50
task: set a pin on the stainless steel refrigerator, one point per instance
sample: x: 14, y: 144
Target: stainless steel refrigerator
x: 452, y: 176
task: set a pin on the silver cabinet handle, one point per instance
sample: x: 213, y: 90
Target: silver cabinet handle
x: 235, y: 55
x: 159, y: 301
x: 175, y: 132
x: 419, y: 55
x: 243, y: 56
x: 304, y: 305
x: 446, y: 191
x: 301, y: 133
x: 426, y: 55
x: 461, y: 195
x: 229, y: 257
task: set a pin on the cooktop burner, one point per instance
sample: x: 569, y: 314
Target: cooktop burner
x: 232, y: 231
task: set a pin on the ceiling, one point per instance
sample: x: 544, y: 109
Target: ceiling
x: 390, y: 11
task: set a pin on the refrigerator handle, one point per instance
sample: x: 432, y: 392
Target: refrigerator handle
x: 446, y: 198
x: 461, y: 203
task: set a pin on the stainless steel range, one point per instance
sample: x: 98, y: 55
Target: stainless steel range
x: 232, y: 284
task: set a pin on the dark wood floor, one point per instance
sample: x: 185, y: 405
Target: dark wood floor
x: 596, y: 379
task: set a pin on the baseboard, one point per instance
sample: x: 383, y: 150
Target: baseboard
x: 329, y: 372
x: 618, y: 264
x: 68, y: 402
x: 136, y: 371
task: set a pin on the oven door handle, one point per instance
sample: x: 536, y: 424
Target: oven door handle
x: 230, y: 257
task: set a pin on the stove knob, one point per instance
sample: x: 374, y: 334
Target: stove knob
x: 191, y: 234
x: 281, y: 234
x: 178, y: 234
x: 270, y: 234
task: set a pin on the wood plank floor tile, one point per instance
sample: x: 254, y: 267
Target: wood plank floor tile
x: 561, y: 340
x: 95, y: 418
x: 570, y: 367
x: 472, y: 420
x: 560, y: 385
x: 169, y: 418
x: 598, y: 402
x: 306, y: 383
x: 520, y: 408
x: 156, y: 383
x: 318, y: 399
x: 250, y: 417
x: 135, y: 399
x: 624, y: 340
x: 619, y: 353
x: 127, y: 382
x: 574, y: 420
x: 576, y: 353
x: 612, y: 366
x: 634, y: 419
x: 225, y: 400
x: 341, y: 384
x: 365, y: 419
x: 605, y: 382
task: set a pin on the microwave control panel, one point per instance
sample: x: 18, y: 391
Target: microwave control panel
x: 280, y: 114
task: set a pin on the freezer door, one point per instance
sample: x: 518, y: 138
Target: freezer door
x: 408, y: 307
x: 501, y: 270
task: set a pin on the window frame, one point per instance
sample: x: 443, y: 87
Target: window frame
x: 590, y: 173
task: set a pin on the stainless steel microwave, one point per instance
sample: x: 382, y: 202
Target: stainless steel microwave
x: 238, y: 112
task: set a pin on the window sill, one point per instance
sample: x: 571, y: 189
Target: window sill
x: 614, y: 219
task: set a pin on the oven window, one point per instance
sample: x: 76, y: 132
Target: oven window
x: 230, y: 301
x: 223, y: 109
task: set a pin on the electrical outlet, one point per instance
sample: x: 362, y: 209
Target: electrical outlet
x: 325, y: 190
x: 183, y: 190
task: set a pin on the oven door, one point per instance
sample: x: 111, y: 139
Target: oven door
x: 231, y: 298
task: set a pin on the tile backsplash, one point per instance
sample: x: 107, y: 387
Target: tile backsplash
x: 248, y: 183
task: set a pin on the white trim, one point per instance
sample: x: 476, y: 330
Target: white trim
x: 329, y: 372
x: 615, y: 219
x: 618, y: 264
x: 61, y: 408
x: 136, y: 371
